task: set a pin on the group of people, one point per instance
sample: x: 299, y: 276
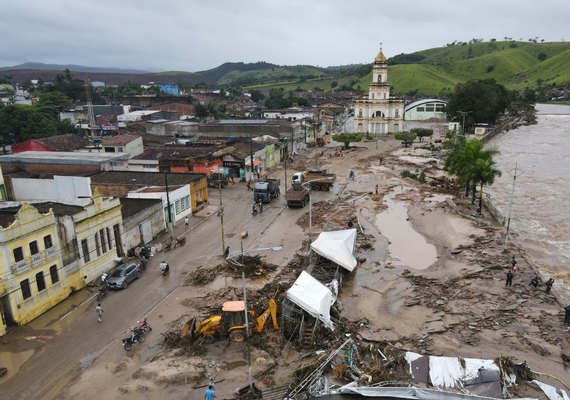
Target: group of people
x: 533, y: 282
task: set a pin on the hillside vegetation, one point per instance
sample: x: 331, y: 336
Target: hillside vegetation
x: 436, y: 71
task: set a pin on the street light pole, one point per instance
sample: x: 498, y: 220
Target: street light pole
x: 510, y: 208
x: 168, y: 204
x: 231, y: 258
x: 251, y: 156
x: 221, y: 214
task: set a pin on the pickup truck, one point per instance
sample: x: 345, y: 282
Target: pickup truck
x: 297, y: 196
x: 321, y: 179
x: 265, y: 190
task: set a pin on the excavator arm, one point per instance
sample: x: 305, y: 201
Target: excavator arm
x: 262, y: 319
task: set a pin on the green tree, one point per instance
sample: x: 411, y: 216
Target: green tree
x: 257, y: 95
x: 483, y: 99
x: 472, y: 164
x: 53, y: 102
x: 21, y: 122
x: 334, y: 84
x: 348, y: 138
x: 422, y: 132
x: 407, y: 138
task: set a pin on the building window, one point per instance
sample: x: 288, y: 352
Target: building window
x: 359, y: 113
x: 25, y: 288
x: 40, y: 281
x: 109, y: 238
x: 103, y: 242
x: 48, y: 242
x: 379, y: 78
x: 34, y: 247
x: 397, y: 113
x: 18, y: 254
x: 53, y: 274
x: 120, y: 149
x: 177, y: 206
x: 421, y: 109
x: 97, y: 245
x: 85, y: 249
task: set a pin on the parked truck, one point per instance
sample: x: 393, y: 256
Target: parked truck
x: 297, y: 195
x: 320, y: 179
x: 266, y: 190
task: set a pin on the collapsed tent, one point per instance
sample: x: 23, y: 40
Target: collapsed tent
x: 337, y: 246
x: 313, y: 297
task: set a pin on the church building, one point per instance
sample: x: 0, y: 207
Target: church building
x: 378, y: 113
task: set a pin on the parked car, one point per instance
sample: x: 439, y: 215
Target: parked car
x: 123, y: 275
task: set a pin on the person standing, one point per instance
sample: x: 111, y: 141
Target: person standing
x: 186, y: 222
x: 567, y: 314
x: 210, y: 393
x: 509, y: 279
x: 99, y: 312
x: 549, y: 284
x: 376, y: 189
x: 514, y: 264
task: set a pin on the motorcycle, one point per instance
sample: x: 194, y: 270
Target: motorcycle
x: 104, y: 287
x: 257, y: 208
x: 137, y: 336
x: 164, y: 268
x: 176, y: 242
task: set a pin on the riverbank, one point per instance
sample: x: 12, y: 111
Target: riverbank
x: 431, y: 280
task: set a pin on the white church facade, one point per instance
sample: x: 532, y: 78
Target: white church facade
x: 379, y: 113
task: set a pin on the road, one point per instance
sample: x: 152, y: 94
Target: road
x: 68, y: 338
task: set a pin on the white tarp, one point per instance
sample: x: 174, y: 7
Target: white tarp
x: 337, y: 246
x: 445, y: 372
x: 552, y: 392
x: 313, y: 297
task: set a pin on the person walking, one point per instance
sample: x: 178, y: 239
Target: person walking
x: 514, y: 264
x: 99, y: 312
x: 186, y: 223
x: 549, y: 284
x: 534, y: 283
x: 376, y: 189
x: 210, y: 393
x: 567, y: 314
x: 509, y: 279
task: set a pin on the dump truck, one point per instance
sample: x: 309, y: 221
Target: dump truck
x: 266, y: 190
x: 230, y: 322
x: 320, y: 179
x: 216, y: 179
x: 297, y: 195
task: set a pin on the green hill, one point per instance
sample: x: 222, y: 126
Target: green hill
x: 436, y: 71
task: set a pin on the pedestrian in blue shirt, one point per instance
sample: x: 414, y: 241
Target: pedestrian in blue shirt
x: 210, y: 393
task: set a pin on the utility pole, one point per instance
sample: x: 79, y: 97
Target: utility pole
x: 221, y: 213
x: 510, y: 208
x: 463, y: 113
x: 251, y: 156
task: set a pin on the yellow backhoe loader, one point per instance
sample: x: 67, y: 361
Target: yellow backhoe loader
x: 231, y: 322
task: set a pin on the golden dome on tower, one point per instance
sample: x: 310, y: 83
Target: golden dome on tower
x: 380, y: 57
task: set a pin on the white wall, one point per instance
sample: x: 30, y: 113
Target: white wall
x: 58, y: 188
x: 174, y: 195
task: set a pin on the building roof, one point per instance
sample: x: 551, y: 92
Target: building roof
x: 176, y: 152
x: 145, y: 178
x: 9, y: 210
x: 50, y: 157
x: 67, y: 142
x: 380, y: 58
x: 423, y: 101
x: 131, y: 207
x: 118, y: 140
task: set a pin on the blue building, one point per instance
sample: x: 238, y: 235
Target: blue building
x: 169, y: 89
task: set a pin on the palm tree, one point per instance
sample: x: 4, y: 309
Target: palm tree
x: 473, y: 165
x: 484, y: 173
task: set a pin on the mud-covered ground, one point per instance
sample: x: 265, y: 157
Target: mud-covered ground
x: 436, y: 287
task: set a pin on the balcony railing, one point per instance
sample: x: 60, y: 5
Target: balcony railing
x: 36, y: 259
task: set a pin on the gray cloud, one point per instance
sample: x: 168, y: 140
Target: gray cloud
x: 193, y: 35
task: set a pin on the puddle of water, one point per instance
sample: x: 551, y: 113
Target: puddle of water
x: 13, y: 361
x: 406, y: 245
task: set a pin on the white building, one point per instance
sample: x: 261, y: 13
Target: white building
x: 379, y: 113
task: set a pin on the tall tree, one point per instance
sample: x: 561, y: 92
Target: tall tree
x: 483, y: 100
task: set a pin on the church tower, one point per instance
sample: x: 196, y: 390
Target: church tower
x: 378, y: 113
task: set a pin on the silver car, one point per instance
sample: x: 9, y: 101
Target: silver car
x: 123, y: 275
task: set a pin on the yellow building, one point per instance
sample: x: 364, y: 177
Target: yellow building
x: 50, y: 249
x: 32, y: 279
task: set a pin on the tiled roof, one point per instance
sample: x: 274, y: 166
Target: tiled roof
x: 144, y: 178
x: 131, y: 207
x: 69, y: 142
x: 119, y: 140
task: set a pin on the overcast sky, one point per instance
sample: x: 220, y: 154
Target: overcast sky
x: 194, y: 35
